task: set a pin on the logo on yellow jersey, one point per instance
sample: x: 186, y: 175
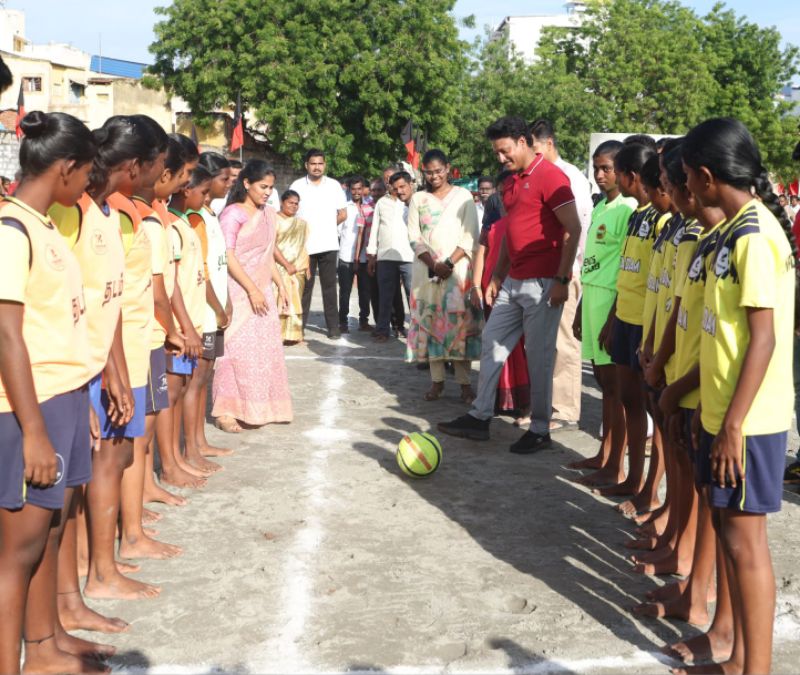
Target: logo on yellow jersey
x: 99, y: 245
x: 723, y: 262
x: 53, y: 258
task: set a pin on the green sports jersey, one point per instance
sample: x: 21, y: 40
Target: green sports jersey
x: 604, y: 241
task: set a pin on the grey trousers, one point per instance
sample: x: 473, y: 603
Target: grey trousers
x: 520, y: 308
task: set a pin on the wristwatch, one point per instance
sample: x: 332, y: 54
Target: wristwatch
x: 449, y: 262
x: 563, y: 280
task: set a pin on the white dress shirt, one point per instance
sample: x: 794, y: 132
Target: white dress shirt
x: 319, y: 203
x: 388, y: 239
x: 582, y: 190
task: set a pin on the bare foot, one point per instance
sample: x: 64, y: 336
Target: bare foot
x: 184, y: 466
x: 144, y: 547
x: 181, y: 479
x: 83, y: 648
x: 715, y: 645
x: 680, y: 608
x: 654, y: 523
x: 75, y: 615
x: 656, y: 554
x: 647, y: 517
x: 668, y: 565
x: 214, y: 451
x: 149, y: 517
x: 47, y: 659
x: 667, y: 592
x: 202, y: 464
x: 162, y: 496
x: 594, y: 463
x: 642, y: 543
x: 118, y: 587
x: 127, y: 568
x: 600, y: 478
x: 150, y: 531
x: 623, y: 489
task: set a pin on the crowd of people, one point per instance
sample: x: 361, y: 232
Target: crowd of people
x: 136, y: 267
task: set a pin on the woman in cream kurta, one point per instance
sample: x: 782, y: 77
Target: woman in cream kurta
x: 445, y: 326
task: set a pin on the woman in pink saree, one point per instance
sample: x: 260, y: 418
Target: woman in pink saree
x: 250, y: 380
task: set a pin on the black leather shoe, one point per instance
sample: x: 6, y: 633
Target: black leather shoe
x: 530, y: 443
x: 466, y: 426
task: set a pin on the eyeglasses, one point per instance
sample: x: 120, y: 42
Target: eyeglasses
x: 435, y: 172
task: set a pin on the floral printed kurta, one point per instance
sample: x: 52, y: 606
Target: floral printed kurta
x: 444, y: 324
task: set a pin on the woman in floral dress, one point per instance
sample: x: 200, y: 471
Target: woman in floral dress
x: 445, y: 326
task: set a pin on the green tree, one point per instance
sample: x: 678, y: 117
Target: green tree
x: 343, y: 75
x: 635, y: 66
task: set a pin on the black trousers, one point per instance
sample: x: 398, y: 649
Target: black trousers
x: 326, y: 264
x: 347, y: 274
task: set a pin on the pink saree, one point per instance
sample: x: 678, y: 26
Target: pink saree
x: 250, y: 380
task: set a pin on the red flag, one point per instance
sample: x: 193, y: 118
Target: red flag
x: 20, y: 110
x: 794, y: 188
x: 409, y: 141
x: 194, y: 137
x: 237, y: 137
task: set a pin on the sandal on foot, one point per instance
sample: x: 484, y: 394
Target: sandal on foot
x: 228, y: 425
x: 435, y: 392
x: 467, y: 395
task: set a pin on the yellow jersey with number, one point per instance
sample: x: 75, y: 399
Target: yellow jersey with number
x: 634, y: 264
x: 93, y: 233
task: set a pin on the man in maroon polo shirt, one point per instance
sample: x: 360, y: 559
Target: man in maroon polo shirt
x: 530, y: 282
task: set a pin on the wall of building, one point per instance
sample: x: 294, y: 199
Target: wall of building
x: 131, y: 98
x: 9, y: 153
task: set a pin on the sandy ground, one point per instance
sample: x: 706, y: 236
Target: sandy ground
x: 312, y: 552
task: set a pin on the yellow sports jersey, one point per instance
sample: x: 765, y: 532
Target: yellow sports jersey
x: 683, y: 244
x: 191, y: 278
x: 690, y: 289
x: 163, y: 261
x: 137, y: 290
x: 95, y: 238
x: 653, y: 277
x: 752, y: 267
x: 43, y: 275
x: 635, y: 264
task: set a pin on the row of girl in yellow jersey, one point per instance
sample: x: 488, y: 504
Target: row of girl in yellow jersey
x: 103, y: 318
x: 715, y: 352
x: 48, y: 361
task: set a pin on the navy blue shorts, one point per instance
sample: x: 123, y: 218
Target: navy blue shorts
x: 180, y: 365
x: 213, y: 345
x: 625, y: 344
x: 66, y: 418
x: 134, y: 428
x: 156, y: 394
x: 761, y: 489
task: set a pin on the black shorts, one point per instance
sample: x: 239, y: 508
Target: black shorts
x: 213, y: 345
x: 157, y: 395
x: 625, y: 344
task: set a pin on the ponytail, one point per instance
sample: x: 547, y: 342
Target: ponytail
x: 727, y: 149
x: 762, y: 186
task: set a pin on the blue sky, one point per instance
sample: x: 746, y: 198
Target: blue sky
x: 127, y: 28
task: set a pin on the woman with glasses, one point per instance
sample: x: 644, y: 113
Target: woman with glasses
x: 445, y: 326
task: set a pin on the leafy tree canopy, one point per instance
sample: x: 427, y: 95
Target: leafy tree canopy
x: 343, y: 75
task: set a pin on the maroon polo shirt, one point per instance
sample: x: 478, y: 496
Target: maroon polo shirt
x: 535, y: 236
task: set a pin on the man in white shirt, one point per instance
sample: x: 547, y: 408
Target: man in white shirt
x: 486, y: 189
x: 217, y: 205
x: 324, y: 207
x: 389, y: 250
x: 351, y: 248
x: 567, y: 371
